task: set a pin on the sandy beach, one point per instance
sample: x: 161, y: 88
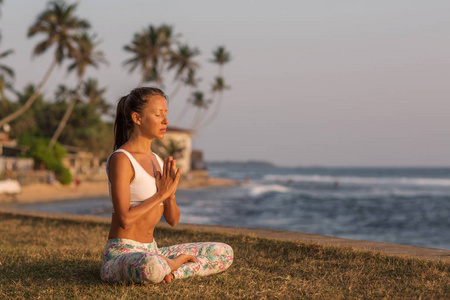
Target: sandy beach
x: 88, y: 189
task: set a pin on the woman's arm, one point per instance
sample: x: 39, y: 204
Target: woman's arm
x: 120, y: 175
x: 171, y: 211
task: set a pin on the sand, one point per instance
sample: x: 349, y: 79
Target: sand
x: 90, y: 189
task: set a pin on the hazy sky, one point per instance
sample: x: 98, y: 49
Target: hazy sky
x: 330, y: 83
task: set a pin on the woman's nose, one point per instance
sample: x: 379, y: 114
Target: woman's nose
x: 165, y: 121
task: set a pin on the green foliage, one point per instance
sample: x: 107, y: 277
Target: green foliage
x: 169, y: 148
x: 51, y: 158
x: 85, y: 127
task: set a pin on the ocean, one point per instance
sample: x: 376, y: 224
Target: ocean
x: 396, y: 205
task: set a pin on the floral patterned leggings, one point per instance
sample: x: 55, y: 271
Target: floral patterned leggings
x: 128, y: 260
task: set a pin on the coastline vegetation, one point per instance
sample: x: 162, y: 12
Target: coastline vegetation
x: 59, y: 258
x: 78, y: 114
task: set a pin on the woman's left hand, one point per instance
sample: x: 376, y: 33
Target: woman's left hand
x: 167, y: 182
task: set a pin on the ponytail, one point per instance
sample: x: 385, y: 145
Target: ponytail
x: 134, y: 102
x: 120, y: 124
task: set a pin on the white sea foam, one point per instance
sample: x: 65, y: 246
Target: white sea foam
x: 444, y: 182
x: 259, y: 189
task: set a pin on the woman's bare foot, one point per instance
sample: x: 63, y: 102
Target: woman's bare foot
x: 175, y: 263
x: 168, y: 278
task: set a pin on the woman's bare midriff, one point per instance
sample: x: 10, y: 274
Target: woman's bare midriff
x: 140, y: 231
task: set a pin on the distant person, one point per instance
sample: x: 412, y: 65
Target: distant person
x: 142, y: 189
x: 51, y: 178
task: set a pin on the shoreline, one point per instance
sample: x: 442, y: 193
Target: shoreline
x: 399, y: 250
x: 36, y: 193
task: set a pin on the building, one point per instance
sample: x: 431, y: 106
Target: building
x: 81, y: 162
x: 177, y: 142
x: 11, y: 165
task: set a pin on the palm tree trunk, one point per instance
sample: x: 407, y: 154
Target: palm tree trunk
x: 199, y: 121
x: 196, y: 118
x: 65, y: 118
x: 215, y: 112
x: 183, y: 113
x: 33, y: 97
x: 160, y: 78
x: 175, y: 91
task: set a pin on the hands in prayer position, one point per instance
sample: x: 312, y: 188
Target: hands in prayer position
x: 167, y: 182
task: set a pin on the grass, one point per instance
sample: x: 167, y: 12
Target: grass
x: 48, y: 258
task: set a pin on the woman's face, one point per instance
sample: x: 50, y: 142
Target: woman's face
x: 153, y: 119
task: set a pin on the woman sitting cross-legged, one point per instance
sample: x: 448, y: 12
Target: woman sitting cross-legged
x: 142, y: 189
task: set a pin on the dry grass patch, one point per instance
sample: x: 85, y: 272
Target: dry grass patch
x: 60, y: 258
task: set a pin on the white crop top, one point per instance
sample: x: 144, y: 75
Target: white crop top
x: 143, y: 185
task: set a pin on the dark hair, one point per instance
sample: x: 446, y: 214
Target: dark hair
x: 133, y: 102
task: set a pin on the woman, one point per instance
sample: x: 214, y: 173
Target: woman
x: 142, y: 189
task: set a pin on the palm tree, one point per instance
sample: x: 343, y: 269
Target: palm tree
x: 199, y: 101
x: 221, y: 57
x: 167, y: 39
x: 61, y: 27
x: 6, y: 73
x: 150, y: 49
x: 190, y: 81
x: 95, y: 96
x: 218, y: 87
x: 182, y: 61
x: 168, y: 148
x: 86, y: 55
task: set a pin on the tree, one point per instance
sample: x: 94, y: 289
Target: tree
x: 6, y: 73
x: 85, y: 56
x: 199, y: 101
x: 218, y: 87
x: 168, y: 148
x: 95, y: 96
x: 150, y: 49
x: 152, y: 52
x: 182, y: 61
x: 61, y: 28
x: 51, y: 158
x: 221, y: 57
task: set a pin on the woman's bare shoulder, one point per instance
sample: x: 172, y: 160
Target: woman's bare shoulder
x: 119, y: 161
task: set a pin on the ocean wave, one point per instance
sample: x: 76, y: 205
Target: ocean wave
x: 259, y: 189
x: 296, y: 178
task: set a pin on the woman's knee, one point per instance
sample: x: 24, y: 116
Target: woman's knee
x: 228, y: 254
x: 224, y: 250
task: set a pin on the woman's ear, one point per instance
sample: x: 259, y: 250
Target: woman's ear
x: 136, y: 118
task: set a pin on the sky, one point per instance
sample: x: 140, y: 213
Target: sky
x: 313, y: 83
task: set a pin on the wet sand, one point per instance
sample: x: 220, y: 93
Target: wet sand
x: 91, y: 189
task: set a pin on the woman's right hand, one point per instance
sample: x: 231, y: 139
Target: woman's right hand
x: 167, y: 182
